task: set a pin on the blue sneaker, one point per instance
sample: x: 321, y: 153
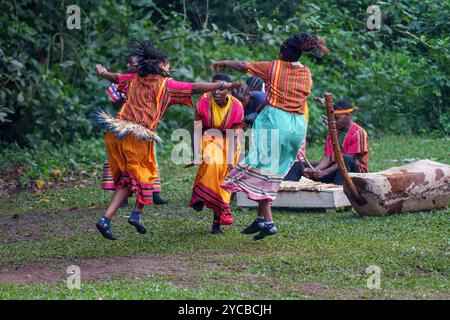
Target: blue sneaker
x: 266, y: 231
x: 135, y: 220
x: 103, y: 225
x: 254, y: 227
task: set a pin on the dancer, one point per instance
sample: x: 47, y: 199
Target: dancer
x: 288, y: 85
x: 118, y: 93
x: 131, y: 134
x: 217, y: 110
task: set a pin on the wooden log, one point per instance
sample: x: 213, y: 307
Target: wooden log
x: 418, y: 186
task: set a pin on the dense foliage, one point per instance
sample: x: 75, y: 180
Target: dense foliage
x: 398, y: 76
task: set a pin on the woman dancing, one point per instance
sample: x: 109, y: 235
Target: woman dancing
x: 217, y: 110
x: 131, y: 134
x: 288, y: 84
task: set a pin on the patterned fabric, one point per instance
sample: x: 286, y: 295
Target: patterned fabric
x: 205, y: 112
x: 264, y: 168
x: 288, y: 84
x: 150, y: 96
x: 355, y: 141
x: 108, y: 180
x: 113, y: 93
x: 119, y: 91
x: 133, y: 165
x: 302, y: 151
x: 124, y: 83
x: 215, y: 152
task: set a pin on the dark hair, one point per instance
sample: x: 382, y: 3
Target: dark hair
x: 221, y: 77
x: 292, y: 48
x: 241, y: 91
x: 255, y: 83
x: 342, y: 105
x: 148, y: 58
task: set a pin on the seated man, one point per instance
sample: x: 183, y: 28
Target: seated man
x: 354, y: 144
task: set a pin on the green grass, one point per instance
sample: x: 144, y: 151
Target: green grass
x: 315, y: 255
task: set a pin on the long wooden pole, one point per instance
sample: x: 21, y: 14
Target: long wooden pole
x: 337, y: 149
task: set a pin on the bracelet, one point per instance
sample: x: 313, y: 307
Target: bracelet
x: 101, y: 74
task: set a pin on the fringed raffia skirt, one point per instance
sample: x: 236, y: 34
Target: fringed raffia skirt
x: 131, y: 155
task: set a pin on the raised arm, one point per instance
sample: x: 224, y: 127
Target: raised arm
x: 231, y: 64
x: 104, y: 73
x: 201, y: 87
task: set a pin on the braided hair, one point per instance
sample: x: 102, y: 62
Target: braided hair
x: 241, y: 91
x: 255, y: 83
x: 149, y: 59
x: 292, y: 48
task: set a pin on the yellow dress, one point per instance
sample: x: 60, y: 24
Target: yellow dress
x: 215, y: 155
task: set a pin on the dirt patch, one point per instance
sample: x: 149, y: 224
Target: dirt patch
x: 54, y: 271
x: 35, y: 227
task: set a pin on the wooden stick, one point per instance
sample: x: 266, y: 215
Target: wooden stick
x: 337, y: 150
x: 306, y: 160
x: 301, y: 163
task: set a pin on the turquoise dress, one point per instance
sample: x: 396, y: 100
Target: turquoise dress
x: 276, y: 138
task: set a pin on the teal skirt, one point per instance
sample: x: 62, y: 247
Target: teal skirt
x: 275, y: 140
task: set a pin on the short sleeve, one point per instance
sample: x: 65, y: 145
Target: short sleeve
x: 126, y: 77
x: 179, y: 92
x: 358, y: 143
x: 124, y: 82
x: 259, y: 69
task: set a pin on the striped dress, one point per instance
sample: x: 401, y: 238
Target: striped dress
x: 133, y: 161
x: 278, y: 131
x: 121, y: 92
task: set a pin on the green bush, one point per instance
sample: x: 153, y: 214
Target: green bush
x: 397, y: 76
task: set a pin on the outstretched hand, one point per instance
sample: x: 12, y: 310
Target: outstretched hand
x: 320, y: 100
x: 233, y: 85
x: 100, y: 68
x: 217, y: 66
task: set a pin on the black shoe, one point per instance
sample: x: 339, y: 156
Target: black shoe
x: 138, y: 225
x: 105, y: 230
x: 158, y: 200
x: 216, y: 229
x: 266, y: 231
x: 198, y: 206
x: 253, y: 228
